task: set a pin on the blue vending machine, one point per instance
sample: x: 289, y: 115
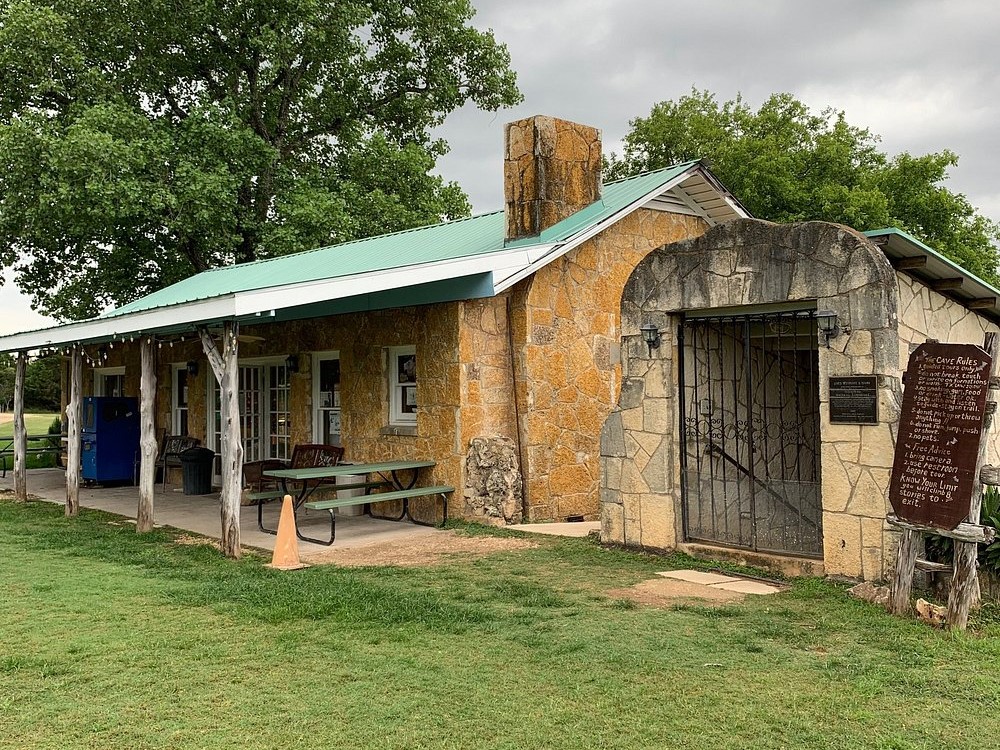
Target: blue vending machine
x: 110, y: 438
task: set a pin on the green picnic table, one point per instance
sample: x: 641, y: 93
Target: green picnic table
x: 401, y: 475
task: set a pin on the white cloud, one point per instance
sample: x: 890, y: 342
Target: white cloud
x: 921, y: 73
x: 16, y: 314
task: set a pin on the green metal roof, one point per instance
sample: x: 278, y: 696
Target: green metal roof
x: 935, y: 267
x: 438, y: 242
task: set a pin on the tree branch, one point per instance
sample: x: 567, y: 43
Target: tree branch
x: 175, y: 107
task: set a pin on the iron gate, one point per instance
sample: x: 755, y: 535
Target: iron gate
x: 750, y: 431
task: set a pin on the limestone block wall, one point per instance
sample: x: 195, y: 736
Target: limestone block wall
x: 493, y: 490
x: 743, y: 265
x: 566, y: 322
x: 926, y: 314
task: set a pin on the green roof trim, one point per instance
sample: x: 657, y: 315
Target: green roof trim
x: 451, y: 240
x: 447, y: 290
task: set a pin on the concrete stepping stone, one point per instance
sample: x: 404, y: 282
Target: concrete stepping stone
x: 748, y: 587
x: 698, y: 576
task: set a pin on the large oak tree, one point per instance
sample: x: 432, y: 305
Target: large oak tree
x: 142, y: 141
x: 787, y: 163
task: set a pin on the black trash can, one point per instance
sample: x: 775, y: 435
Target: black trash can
x: 196, y: 464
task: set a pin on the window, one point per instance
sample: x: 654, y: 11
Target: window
x: 326, y: 397
x: 402, y: 385
x: 179, y: 398
x: 109, y: 381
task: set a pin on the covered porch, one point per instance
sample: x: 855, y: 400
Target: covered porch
x: 199, y: 514
x: 250, y: 367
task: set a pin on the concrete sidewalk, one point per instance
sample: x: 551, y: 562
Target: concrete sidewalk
x: 200, y: 514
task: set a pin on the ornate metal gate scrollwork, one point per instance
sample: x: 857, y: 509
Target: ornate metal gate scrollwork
x: 749, y: 404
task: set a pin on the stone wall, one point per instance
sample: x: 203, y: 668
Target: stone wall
x: 739, y: 265
x: 566, y: 322
x: 493, y: 494
x: 926, y: 314
x: 493, y: 488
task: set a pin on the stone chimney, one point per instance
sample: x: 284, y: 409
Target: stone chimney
x: 552, y: 169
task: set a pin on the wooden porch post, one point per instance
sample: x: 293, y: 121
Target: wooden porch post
x: 147, y: 440
x: 73, y: 448
x: 965, y: 593
x: 225, y: 367
x: 20, y: 436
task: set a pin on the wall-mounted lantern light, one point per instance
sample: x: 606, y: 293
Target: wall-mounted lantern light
x: 192, y: 368
x: 651, y: 335
x: 829, y: 324
x: 292, y: 362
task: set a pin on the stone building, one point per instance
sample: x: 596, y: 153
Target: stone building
x: 726, y: 440
x: 488, y: 345
x: 641, y: 352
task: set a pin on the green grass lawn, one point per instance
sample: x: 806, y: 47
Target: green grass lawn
x: 109, y: 640
x: 34, y: 424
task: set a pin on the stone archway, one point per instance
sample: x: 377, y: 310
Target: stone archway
x: 757, y: 266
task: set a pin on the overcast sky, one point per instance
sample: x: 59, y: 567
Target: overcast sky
x: 924, y: 74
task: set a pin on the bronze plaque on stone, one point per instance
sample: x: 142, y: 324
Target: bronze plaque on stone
x: 854, y: 400
x: 940, y: 426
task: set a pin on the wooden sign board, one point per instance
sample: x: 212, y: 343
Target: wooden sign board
x: 854, y: 400
x: 941, y: 423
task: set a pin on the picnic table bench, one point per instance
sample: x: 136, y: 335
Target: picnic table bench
x: 389, y: 473
x: 7, y: 449
x: 304, y: 456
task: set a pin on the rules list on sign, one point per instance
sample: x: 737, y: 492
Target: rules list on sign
x: 940, y: 426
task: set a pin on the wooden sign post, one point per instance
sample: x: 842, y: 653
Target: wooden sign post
x: 935, y: 486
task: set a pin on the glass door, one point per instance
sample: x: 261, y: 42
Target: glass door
x: 250, y: 396
x: 279, y: 418
x: 251, y: 415
x: 265, y: 414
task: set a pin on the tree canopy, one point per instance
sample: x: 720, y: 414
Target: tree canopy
x: 787, y: 163
x: 41, y: 383
x: 141, y: 142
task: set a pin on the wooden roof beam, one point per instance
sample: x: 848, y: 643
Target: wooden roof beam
x: 983, y: 303
x: 910, y: 263
x: 946, y: 285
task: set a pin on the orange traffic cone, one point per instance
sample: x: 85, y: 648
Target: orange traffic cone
x: 286, y: 546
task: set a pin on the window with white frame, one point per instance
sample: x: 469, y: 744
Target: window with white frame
x: 326, y: 397
x: 402, y: 385
x: 109, y: 381
x: 179, y: 400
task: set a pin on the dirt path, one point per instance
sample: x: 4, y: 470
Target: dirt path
x: 6, y: 418
x: 435, y: 549
x: 668, y: 592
